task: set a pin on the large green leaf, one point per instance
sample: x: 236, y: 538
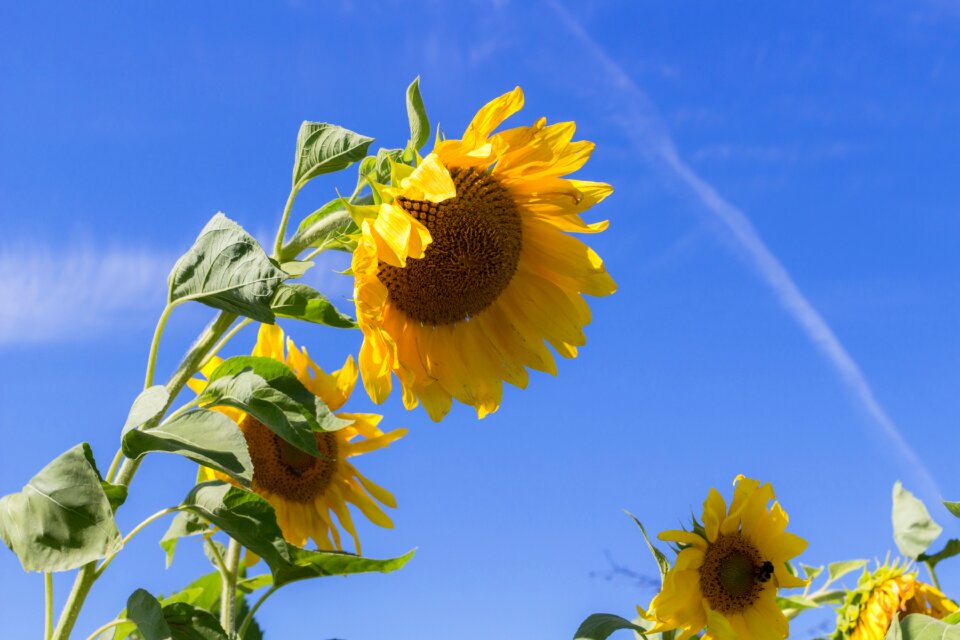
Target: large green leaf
x: 268, y: 390
x: 174, y: 621
x: 148, y: 405
x: 300, y: 302
x: 206, y: 437
x: 417, y: 115
x: 920, y: 627
x: 600, y: 626
x: 251, y: 521
x: 62, y: 519
x: 913, y: 528
x: 226, y: 269
x: 950, y: 549
x: 325, y: 148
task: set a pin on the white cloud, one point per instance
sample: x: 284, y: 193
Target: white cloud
x: 76, y: 292
x: 642, y: 124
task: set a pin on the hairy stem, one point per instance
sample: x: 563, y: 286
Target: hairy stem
x: 155, y: 346
x: 282, y: 231
x: 228, y: 590
x: 47, y: 605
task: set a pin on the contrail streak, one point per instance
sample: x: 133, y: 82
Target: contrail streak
x: 643, y: 126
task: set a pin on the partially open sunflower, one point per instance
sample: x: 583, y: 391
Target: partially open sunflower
x: 307, y: 491
x: 884, y: 595
x: 466, y: 269
x: 729, y: 569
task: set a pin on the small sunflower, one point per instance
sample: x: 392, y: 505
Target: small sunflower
x: 883, y: 595
x: 467, y: 268
x: 728, y: 570
x: 306, y: 491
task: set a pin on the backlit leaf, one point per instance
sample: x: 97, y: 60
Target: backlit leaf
x: 325, y: 148
x: 300, y: 302
x: 913, y: 528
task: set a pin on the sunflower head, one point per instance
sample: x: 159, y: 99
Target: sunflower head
x: 729, y: 568
x: 889, y: 592
x: 311, y: 494
x: 465, y: 269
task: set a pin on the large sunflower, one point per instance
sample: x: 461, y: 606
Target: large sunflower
x: 306, y: 491
x: 466, y: 268
x: 889, y: 592
x: 727, y: 574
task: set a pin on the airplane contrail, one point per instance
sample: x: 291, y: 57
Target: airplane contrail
x: 643, y: 125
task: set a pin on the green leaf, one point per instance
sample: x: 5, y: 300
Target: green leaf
x: 116, y: 494
x: 145, y: 611
x: 379, y: 168
x: 419, y: 125
x: 183, y: 525
x: 600, y: 626
x: 920, y: 627
x: 894, y: 632
x: 296, y: 268
x: 952, y: 507
x: 913, y: 528
x: 836, y: 570
x: 811, y: 573
x: 207, y: 437
x: 953, y: 618
x: 149, y: 404
x: 331, y: 207
x: 951, y: 549
x: 300, y: 302
x: 278, y: 376
x: 662, y: 563
x: 325, y: 148
x: 62, y: 519
x: 226, y: 269
x: 251, y: 521
x: 190, y: 623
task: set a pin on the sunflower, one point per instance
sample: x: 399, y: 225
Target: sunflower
x: 465, y: 268
x: 883, y: 595
x: 728, y: 570
x: 306, y: 491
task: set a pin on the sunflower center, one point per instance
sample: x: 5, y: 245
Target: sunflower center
x: 281, y: 468
x: 733, y: 573
x: 474, y: 253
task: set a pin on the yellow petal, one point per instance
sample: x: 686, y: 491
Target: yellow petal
x: 491, y: 115
x: 430, y: 181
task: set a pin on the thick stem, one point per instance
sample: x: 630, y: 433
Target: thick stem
x: 282, y: 231
x: 248, y: 620
x: 188, y: 366
x: 47, y: 605
x: 228, y: 590
x: 155, y: 346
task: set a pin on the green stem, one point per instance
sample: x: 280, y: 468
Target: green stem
x: 933, y: 574
x: 282, y: 231
x: 214, y: 554
x: 47, y: 605
x: 248, y: 620
x: 188, y: 367
x: 182, y: 409
x: 117, y: 458
x: 137, y: 529
x: 155, y: 345
x: 228, y: 590
x: 319, y: 229
x: 229, y: 336
x: 109, y: 625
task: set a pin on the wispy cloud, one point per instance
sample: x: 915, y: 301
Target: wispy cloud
x: 76, y: 293
x: 644, y: 127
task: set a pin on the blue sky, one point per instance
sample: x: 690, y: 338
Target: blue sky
x: 783, y: 233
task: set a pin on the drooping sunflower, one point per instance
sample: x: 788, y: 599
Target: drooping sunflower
x: 727, y: 574
x: 467, y: 268
x: 311, y: 494
x: 881, y: 596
